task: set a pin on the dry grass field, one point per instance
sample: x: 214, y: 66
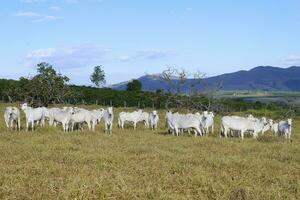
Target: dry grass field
x: 142, y: 164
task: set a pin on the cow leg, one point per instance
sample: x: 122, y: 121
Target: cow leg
x: 286, y: 135
x: 43, y: 122
x: 242, y: 134
x: 110, y: 129
x: 177, y: 131
x: 93, y: 125
x: 11, y: 123
x: 197, y: 130
x: 105, y: 127
x: 64, y: 127
x: 19, y: 124
x: 72, y: 126
x: 225, y: 132
x: 89, y: 125
x: 254, y: 134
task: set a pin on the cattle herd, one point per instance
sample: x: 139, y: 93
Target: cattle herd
x: 71, y: 118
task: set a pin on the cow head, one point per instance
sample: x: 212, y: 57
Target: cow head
x: 154, y: 113
x: 290, y: 122
x: 24, y: 106
x: 110, y: 111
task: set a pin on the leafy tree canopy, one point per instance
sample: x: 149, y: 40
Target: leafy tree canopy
x: 134, y: 85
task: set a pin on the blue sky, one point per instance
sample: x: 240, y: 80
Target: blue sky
x: 133, y: 37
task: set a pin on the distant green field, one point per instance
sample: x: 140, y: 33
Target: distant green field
x: 263, y: 96
x: 245, y: 93
x: 144, y: 164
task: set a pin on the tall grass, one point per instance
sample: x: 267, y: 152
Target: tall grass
x: 142, y: 164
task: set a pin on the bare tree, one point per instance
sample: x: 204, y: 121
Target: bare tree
x: 189, y: 90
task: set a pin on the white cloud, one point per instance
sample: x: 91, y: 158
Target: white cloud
x: 62, y: 1
x: 31, y: 1
x: 70, y: 57
x: 147, y: 54
x: 124, y: 58
x: 71, y: 1
x: 152, y: 54
x: 292, y: 60
x: 55, y: 8
x: 36, y: 17
x: 41, y: 53
x: 46, y: 18
x: 27, y: 14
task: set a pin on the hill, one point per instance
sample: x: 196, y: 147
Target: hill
x: 258, y: 78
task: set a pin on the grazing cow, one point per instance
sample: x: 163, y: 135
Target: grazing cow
x: 83, y: 116
x: 48, y: 114
x: 33, y: 115
x: 133, y: 117
x: 153, y: 119
x: 176, y: 121
x: 241, y: 124
x: 285, y: 128
x: 108, y: 117
x: 11, y: 115
x: 60, y: 116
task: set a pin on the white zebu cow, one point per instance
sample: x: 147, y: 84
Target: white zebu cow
x: 241, y: 124
x: 83, y: 116
x: 263, y: 120
x: 33, y: 115
x: 47, y: 113
x: 62, y: 116
x: 169, y: 124
x: 11, y: 116
x: 176, y: 121
x: 144, y: 118
x: 98, y: 114
x: 132, y: 117
x: 285, y: 128
x: 153, y: 120
x: 108, y: 117
x: 207, y: 121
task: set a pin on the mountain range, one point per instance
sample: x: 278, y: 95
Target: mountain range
x: 258, y: 78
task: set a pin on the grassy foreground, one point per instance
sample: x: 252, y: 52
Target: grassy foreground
x: 50, y: 164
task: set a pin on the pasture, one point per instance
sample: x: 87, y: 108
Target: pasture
x: 145, y: 164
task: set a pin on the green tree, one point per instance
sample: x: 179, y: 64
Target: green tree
x: 46, y: 87
x: 134, y: 85
x: 98, y: 76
